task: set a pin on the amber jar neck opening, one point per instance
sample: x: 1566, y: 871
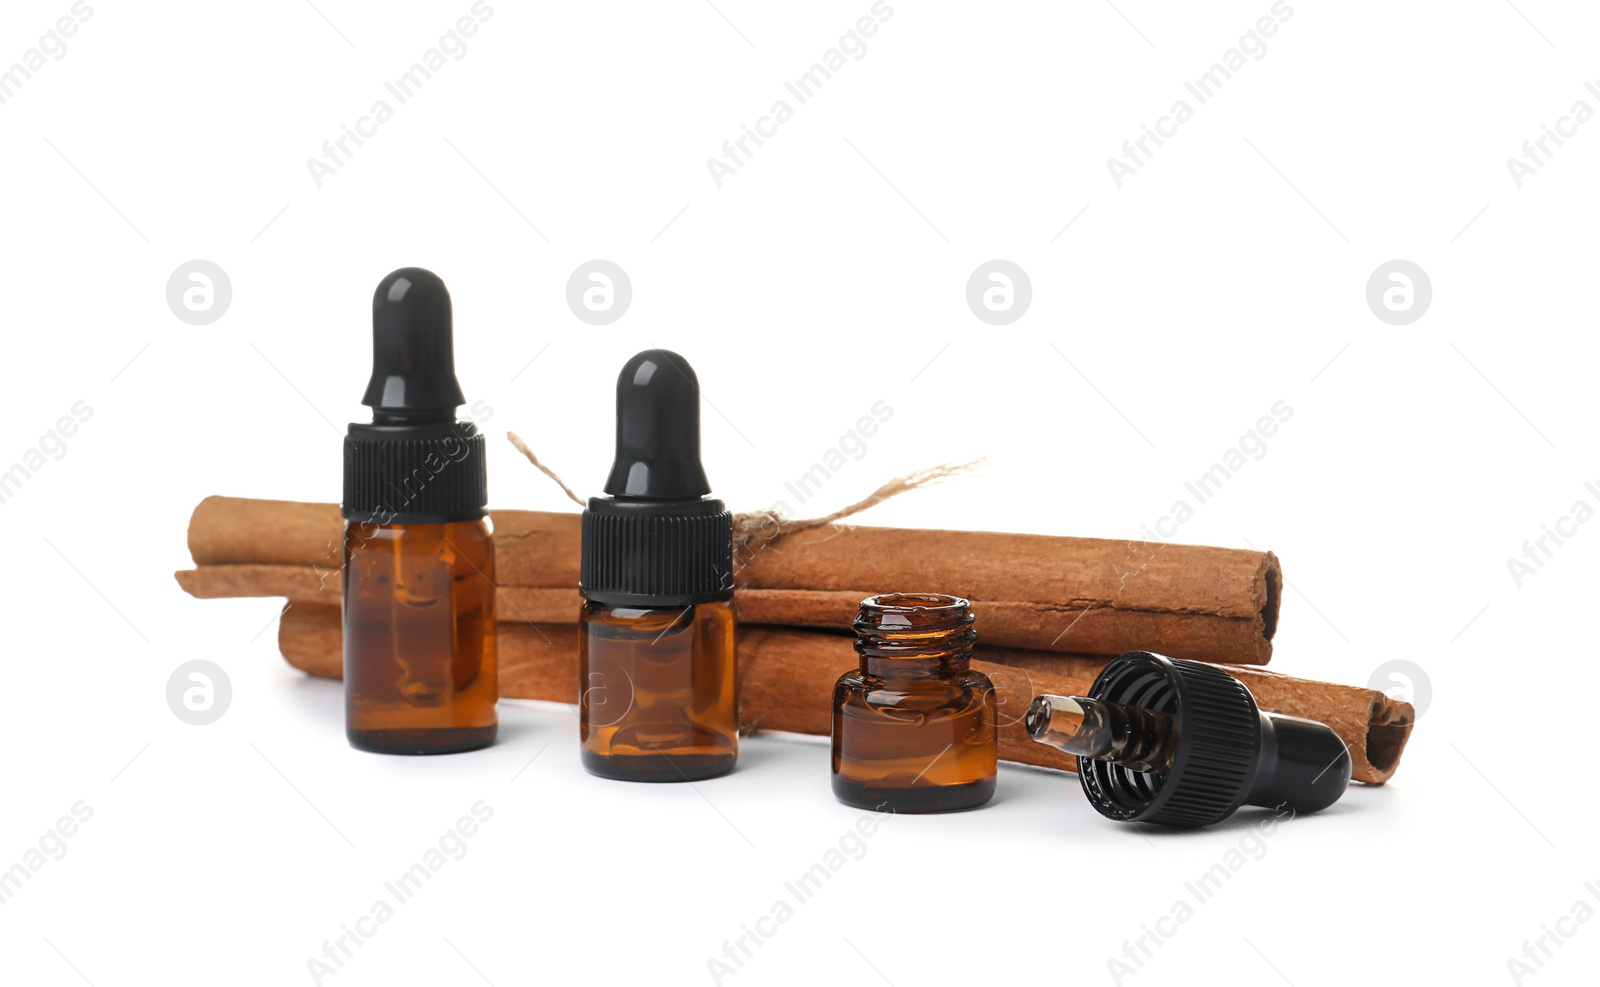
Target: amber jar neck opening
x: 918, y: 634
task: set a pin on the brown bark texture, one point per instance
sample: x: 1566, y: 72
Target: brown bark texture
x: 1040, y: 592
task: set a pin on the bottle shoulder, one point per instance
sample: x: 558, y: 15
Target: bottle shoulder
x: 953, y: 693
x: 607, y: 620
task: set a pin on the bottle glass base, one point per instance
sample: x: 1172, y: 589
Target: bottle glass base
x: 919, y: 799
x: 658, y: 767
x: 434, y: 740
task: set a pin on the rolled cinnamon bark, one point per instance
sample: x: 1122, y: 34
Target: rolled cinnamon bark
x: 314, y: 584
x: 1080, y: 595
x: 532, y: 548
x: 787, y: 677
x: 268, y: 532
x: 1072, y: 595
x: 824, y: 609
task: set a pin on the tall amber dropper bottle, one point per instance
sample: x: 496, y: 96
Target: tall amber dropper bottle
x: 419, y: 632
x: 657, y: 692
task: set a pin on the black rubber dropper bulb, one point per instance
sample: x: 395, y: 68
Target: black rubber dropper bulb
x: 658, y: 430
x: 1183, y: 744
x: 413, y: 351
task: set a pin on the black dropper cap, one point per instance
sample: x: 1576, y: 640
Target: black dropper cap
x: 1194, y: 744
x: 414, y: 464
x: 658, y: 539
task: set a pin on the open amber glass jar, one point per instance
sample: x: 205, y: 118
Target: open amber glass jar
x: 914, y: 725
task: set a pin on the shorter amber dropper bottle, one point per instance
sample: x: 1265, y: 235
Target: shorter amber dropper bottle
x: 419, y: 631
x: 657, y: 692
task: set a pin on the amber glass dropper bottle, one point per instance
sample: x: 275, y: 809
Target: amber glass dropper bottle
x: 419, y: 632
x: 657, y: 688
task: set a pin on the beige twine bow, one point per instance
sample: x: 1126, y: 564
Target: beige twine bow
x: 771, y: 525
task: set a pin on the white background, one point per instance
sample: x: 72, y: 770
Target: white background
x: 1228, y: 274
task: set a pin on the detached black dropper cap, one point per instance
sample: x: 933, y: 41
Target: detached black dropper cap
x: 1183, y: 744
x: 658, y: 539
x: 414, y: 464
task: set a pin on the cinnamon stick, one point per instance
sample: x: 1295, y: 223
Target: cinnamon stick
x: 1072, y: 595
x: 824, y: 609
x: 787, y: 676
x: 1080, y: 595
x: 532, y: 548
x: 314, y: 584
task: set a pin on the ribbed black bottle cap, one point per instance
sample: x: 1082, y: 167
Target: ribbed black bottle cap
x: 1218, y: 740
x: 415, y: 474
x: 656, y: 555
x: 414, y: 463
x: 658, y: 539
